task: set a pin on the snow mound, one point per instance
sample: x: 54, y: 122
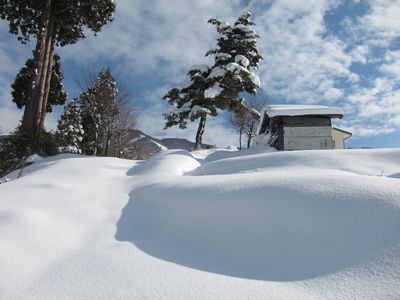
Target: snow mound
x: 283, y: 225
x: 373, y: 162
x: 233, y: 152
x: 171, y: 162
x: 277, y: 225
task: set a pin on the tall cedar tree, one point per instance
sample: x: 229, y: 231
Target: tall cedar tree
x: 70, y: 131
x: 20, y: 87
x: 52, y: 23
x: 99, y: 104
x: 189, y: 102
x: 234, y: 59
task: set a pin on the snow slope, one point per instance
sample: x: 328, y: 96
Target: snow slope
x: 283, y: 225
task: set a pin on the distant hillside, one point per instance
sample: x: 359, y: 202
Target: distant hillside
x: 143, y: 146
x: 175, y: 143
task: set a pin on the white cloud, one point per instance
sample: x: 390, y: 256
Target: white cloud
x: 360, y: 54
x: 302, y: 60
x: 391, y: 67
x: 369, y: 131
x: 383, y: 19
x: 158, y: 37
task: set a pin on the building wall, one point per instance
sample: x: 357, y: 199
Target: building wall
x: 308, y: 138
x: 338, y: 138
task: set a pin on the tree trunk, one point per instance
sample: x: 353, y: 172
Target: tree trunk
x: 250, y: 134
x: 200, y: 131
x: 249, y: 138
x: 47, y: 89
x: 240, y: 137
x: 33, y: 108
x: 108, y: 141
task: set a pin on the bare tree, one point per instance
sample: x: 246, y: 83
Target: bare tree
x: 238, y: 121
x: 125, y: 123
x: 252, y: 119
x: 245, y: 119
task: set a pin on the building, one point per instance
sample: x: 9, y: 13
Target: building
x: 300, y: 127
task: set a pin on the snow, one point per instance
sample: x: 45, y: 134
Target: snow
x: 222, y: 55
x: 242, y: 60
x: 212, y: 224
x: 236, y: 68
x: 216, y: 72
x: 241, y: 27
x: 199, y: 109
x: 255, y: 79
x: 301, y: 110
x: 199, y: 68
x: 223, y: 25
x: 213, y: 91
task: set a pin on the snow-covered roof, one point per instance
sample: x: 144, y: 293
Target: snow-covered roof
x: 302, y: 110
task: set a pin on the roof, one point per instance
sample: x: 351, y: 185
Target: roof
x: 303, y: 110
x: 342, y: 130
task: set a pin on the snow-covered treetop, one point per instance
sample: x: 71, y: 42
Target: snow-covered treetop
x: 235, y: 59
x: 239, y: 39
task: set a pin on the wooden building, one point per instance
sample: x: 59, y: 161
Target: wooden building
x: 300, y: 127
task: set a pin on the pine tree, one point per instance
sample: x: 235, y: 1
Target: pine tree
x: 52, y: 23
x: 100, y: 110
x: 190, y: 102
x: 219, y: 87
x: 70, y: 131
x: 234, y: 60
x: 20, y: 87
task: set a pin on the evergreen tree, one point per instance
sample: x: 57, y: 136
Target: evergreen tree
x: 99, y: 106
x: 234, y: 59
x: 70, y: 131
x: 16, y: 147
x: 13, y: 149
x: 51, y: 23
x: 20, y: 87
x: 219, y: 87
x: 190, y: 102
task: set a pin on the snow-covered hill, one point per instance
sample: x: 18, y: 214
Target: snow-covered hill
x: 204, y: 225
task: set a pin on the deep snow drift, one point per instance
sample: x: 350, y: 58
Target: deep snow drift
x: 283, y: 225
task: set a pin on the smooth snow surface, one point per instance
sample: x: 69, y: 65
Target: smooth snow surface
x: 301, y: 110
x: 212, y: 224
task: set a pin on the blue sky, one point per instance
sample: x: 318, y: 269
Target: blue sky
x: 333, y: 52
